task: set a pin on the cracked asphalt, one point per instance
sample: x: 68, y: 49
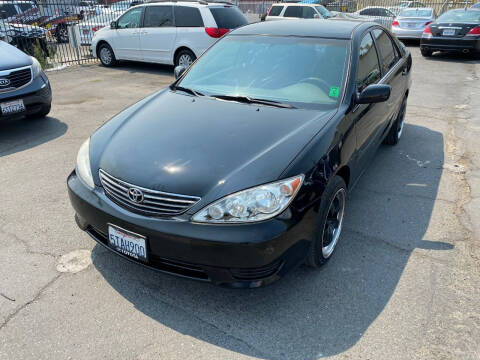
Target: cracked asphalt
x: 403, y: 284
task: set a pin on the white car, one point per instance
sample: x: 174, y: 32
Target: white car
x: 285, y: 11
x: 379, y: 14
x: 165, y: 32
x: 92, y: 24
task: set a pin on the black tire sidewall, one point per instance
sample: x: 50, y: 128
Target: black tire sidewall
x: 315, y: 256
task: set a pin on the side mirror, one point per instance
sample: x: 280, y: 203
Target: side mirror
x: 179, y: 70
x: 316, y: 16
x: 374, y: 93
x: 113, y: 25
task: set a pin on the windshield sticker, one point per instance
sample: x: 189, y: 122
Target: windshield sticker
x: 334, y: 91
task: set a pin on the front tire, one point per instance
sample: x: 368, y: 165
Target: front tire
x: 106, y: 55
x: 185, y: 58
x: 329, y: 223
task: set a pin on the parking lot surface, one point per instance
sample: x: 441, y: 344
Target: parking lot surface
x: 403, y: 284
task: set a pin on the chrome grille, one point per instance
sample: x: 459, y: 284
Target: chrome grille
x: 17, y: 78
x: 153, y: 203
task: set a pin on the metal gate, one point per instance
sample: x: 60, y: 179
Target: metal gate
x: 59, y: 32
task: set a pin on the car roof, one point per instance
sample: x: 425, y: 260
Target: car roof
x: 294, y: 4
x: 340, y: 29
x: 373, y: 7
x: 199, y: 3
x: 418, y: 8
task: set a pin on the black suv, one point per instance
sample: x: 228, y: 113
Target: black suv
x: 24, y: 87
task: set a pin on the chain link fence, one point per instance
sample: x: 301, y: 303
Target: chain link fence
x: 59, y: 33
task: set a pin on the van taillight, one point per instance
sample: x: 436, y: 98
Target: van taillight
x: 216, y: 32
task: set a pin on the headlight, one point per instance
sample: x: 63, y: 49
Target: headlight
x: 255, y: 204
x: 36, y: 67
x: 83, y: 164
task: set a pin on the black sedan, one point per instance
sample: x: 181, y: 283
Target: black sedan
x: 239, y: 171
x: 456, y: 30
x: 24, y: 87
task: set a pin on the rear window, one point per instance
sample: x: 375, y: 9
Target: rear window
x: 228, y: 17
x: 187, y: 17
x: 416, y: 13
x: 460, y: 16
x: 9, y: 10
x: 276, y: 10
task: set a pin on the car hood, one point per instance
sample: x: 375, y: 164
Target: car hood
x: 201, y: 146
x: 11, y: 57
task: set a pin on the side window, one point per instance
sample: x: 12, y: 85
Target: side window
x: 308, y: 12
x: 9, y: 9
x: 293, y: 11
x: 276, y: 10
x: 368, y: 12
x: 25, y: 6
x: 131, y: 19
x: 187, y: 17
x: 368, y: 71
x: 386, y: 48
x: 158, y: 16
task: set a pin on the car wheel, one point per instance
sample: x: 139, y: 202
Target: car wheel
x: 185, y: 58
x: 106, y: 55
x: 329, y: 223
x: 426, y: 52
x: 42, y: 113
x: 396, y: 130
x: 61, y: 34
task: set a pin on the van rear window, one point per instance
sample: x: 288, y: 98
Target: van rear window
x: 228, y: 17
x: 276, y: 10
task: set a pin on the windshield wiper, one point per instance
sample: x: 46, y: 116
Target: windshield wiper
x: 187, y: 90
x: 249, y: 100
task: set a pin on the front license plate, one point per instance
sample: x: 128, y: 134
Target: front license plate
x: 127, y: 243
x: 448, y: 32
x: 12, y: 107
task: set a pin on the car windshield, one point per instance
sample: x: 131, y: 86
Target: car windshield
x: 416, y: 13
x: 302, y: 72
x: 121, y: 5
x: 460, y: 16
x: 322, y: 10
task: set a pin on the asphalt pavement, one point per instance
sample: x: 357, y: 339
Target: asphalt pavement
x: 404, y: 282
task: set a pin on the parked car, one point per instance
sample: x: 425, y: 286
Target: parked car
x: 239, y: 171
x: 24, y: 87
x: 25, y: 37
x: 292, y: 11
x: 455, y: 30
x: 92, y: 24
x: 379, y: 14
x: 475, y: 6
x: 22, y: 12
x: 166, y: 32
x: 411, y: 22
x: 406, y: 4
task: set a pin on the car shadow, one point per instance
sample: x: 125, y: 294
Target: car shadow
x: 309, y: 313
x: 18, y: 134
x: 147, y: 68
x: 453, y: 57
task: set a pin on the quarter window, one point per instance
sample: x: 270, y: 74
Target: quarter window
x: 387, y: 50
x: 187, y: 17
x: 368, y: 71
x: 276, y: 10
x: 130, y: 19
x: 158, y: 16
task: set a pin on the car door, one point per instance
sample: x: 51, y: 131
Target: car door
x: 158, y: 34
x: 190, y: 30
x: 367, y: 117
x: 393, y: 71
x: 126, y: 40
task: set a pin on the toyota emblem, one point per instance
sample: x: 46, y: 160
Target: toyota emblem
x: 135, y: 195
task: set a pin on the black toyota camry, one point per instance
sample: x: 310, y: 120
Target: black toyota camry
x: 456, y: 30
x: 240, y: 170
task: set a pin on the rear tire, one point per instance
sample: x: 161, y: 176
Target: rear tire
x: 329, y: 223
x: 396, y: 130
x: 426, y: 52
x: 106, y: 55
x: 185, y: 58
x: 42, y: 113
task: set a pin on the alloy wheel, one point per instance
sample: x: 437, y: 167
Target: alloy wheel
x: 185, y: 60
x: 105, y: 55
x: 334, y: 222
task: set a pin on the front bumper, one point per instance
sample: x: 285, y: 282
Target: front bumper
x: 237, y: 255
x: 401, y: 33
x: 35, y: 96
x: 471, y: 44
